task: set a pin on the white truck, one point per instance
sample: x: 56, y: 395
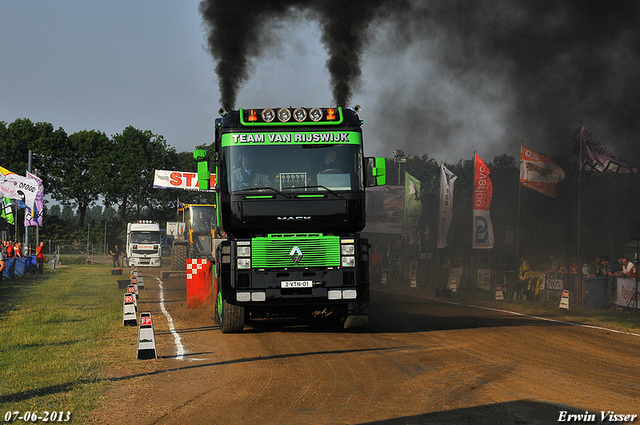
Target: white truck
x: 144, y: 243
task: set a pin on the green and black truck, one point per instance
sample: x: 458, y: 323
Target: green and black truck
x: 290, y: 193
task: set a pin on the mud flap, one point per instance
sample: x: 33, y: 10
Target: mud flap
x: 358, y: 315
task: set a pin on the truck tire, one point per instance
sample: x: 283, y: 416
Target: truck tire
x: 230, y: 317
x: 179, y: 256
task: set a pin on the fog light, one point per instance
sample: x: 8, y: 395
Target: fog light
x: 259, y: 296
x: 315, y: 114
x: 244, y: 263
x: 268, y: 115
x: 348, y: 261
x: 300, y: 114
x: 284, y: 115
x: 349, y: 294
x: 334, y: 295
x: 243, y: 297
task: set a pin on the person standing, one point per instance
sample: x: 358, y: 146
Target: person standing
x: 115, y: 256
x: 39, y: 258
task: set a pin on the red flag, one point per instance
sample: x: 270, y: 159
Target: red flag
x: 538, y: 172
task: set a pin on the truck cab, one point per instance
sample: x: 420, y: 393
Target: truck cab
x: 291, y: 200
x: 144, y: 243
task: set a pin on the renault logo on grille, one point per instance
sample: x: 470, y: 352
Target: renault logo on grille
x: 296, y: 255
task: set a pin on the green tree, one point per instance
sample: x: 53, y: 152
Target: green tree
x: 135, y: 156
x: 22, y: 135
x: 76, y: 170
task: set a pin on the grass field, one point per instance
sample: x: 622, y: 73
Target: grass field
x: 59, y: 332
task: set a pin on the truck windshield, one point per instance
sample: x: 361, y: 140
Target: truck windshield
x: 145, y: 237
x: 293, y: 167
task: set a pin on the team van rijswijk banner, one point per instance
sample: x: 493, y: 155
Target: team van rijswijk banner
x: 482, y: 194
x: 187, y: 180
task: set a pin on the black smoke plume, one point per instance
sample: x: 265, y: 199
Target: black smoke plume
x: 503, y: 71
x: 237, y: 34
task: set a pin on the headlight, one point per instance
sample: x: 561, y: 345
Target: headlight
x: 244, y: 251
x: 347, y: 249
x: 244, y: 263
x: 348, y: 261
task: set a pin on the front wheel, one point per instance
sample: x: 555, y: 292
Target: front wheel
x: 230, y: 317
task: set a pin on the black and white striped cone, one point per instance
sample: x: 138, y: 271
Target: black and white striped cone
x: 146, y: 339
x: 129, y: 316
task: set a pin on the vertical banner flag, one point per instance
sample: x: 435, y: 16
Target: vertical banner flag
x: 482, y: 194
x: 7, y: 210
x: 595, y: 157
x: 538, y: 172
x: 412, y: 203
x: 34, y: 217
x: 17, y: 187
x: 447, y: 178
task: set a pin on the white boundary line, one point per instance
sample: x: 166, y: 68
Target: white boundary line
x: 176, y: 337
x: 548, y: 319
x: 600, y: 328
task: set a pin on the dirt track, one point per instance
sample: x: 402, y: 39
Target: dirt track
x: 419, y: 361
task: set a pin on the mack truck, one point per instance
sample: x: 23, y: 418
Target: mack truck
x: 290, y: 193
x: 144, y: 244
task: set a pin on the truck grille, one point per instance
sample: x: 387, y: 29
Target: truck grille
x: 279, y: 250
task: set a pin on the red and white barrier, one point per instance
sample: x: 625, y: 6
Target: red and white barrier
x: 198, y: 282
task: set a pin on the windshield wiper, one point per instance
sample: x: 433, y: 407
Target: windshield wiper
x: 324, y: 187
x: 286, y: 195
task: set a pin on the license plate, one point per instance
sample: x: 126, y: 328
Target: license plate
x: 297, y: 284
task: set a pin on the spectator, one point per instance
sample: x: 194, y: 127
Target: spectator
x: 628, y: 268
x: 598, y: 267
x: 1, y: 261
x: 10, y: 252
x: 39, y: 258
x: 18, y: 250
x: 524, y: 278
x: 555, y: 265
x: 610, y: 268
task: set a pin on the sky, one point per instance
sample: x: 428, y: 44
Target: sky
x: 440, y: 78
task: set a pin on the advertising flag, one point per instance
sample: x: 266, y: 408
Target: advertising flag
x: 34, y: 217
x: 447, y: 178
x: 539, y: 173
x: 595, y: 157
x: 412, y: 202
x: 17, y: 187
x: 7, y: 210
x: 482, y: 194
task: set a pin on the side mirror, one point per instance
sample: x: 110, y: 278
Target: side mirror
x: 376, y: 172
x: 204, y: 176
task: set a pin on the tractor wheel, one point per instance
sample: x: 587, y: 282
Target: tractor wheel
x: 179, y: 256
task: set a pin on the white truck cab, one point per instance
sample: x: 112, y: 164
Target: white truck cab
x: 144, y: 244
